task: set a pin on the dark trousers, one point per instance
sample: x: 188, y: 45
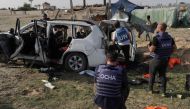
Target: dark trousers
x: 125, y: 50
x: 158, y: 66
x: 148, y: 36
x: 123, y: 103
x: 108, y: 102
x: 187, y: 84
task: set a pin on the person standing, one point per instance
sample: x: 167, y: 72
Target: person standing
x: 162, y: 46
x: 121, y: 36
x: 55, y: 41
x: 148, y: 23
x: 54, y: 53
x: 111, y: 85
x: 45, y: 17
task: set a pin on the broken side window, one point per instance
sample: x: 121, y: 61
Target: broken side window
x: 81, y: 32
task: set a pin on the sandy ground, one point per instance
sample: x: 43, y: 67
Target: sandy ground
x: 21, y: 87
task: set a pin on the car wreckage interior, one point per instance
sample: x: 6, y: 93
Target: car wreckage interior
x: 53, y: 42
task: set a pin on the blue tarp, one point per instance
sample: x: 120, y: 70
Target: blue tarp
x: 124, y: 4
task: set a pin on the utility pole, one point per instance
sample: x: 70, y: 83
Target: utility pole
x: 104, y: 2
x: 84, y: 4
x: 73, y: 16
x: 109, y: 13
x: 176, y: 2
x: 71, y: 6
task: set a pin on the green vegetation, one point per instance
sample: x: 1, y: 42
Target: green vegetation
x: 26, y: 7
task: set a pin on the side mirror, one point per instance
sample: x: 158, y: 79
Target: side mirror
x: 11, y: 31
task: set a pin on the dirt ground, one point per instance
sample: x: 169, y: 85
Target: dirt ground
x: 22, y: 88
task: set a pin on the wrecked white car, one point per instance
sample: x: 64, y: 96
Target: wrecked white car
x: 79, y: 44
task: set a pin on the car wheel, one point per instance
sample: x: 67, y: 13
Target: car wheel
x: 75, y: 62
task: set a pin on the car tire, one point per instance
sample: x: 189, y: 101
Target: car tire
x: 75, y: 62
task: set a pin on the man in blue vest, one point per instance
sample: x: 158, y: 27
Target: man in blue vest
x: 162, y: 46
x: 121, y: 36
x: 111, y: 85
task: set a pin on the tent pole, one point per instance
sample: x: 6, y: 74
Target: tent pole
x: 71, y: 5
x: 109, y: 10
x: 72, y: 18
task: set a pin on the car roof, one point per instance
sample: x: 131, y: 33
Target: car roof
x: 71, y: 22
x: 62, y: 21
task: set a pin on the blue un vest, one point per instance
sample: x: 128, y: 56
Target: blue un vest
x: 122, y: 35
x: 109, y: 81
x: 165, y: 47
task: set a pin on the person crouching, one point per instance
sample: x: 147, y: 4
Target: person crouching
x: 110, y: 82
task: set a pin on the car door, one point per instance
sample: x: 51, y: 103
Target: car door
x: 133, y: 45
x: 38, y: 43
x: 41, y: 39
x: 18, y: 40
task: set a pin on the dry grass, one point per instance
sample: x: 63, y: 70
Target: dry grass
x: 21, y: 88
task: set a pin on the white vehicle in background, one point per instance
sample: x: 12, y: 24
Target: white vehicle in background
x: 31, y: 42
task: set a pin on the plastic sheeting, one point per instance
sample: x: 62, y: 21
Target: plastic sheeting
x: 167, y: 15
x: 124, y: 4
x: 184, y: 19
x: 121, y: 16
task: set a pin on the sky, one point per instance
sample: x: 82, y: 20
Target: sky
x: 66, y: 3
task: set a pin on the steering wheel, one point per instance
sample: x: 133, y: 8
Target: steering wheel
x: 32, y: 34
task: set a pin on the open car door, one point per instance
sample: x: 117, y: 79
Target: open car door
x: 30, y: 44
x: 18, y: 40
x: 107, y: 27
x: 41, y: 40
x: 133, y: 46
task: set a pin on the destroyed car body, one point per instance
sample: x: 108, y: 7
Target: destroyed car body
x: 75, y: 53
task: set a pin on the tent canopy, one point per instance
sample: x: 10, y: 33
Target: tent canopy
x: 125, y: 5
x: 121, y: 16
